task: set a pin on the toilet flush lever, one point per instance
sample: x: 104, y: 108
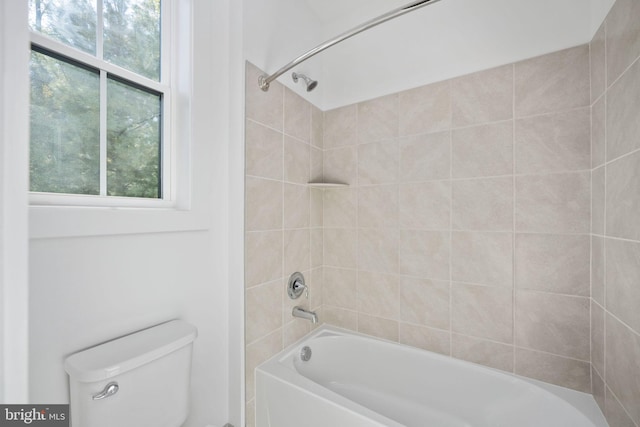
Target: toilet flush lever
x: 109, y: 390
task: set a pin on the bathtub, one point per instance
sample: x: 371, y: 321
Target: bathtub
x: 353, y: 380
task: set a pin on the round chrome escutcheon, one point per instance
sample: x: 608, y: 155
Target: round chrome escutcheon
x: 305, y: 353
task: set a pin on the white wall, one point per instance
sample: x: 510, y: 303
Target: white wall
x: 88, y: 289
x: 14, y: 110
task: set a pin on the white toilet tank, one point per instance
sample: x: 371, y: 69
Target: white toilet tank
x: 139, y: 380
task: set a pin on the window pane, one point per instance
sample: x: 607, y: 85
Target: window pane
x: 133, y: 141
x: 65, y: 127
x: 72, y: 22
x: 132, y: 35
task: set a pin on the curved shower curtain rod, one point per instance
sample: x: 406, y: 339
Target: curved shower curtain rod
x: 265, y: 80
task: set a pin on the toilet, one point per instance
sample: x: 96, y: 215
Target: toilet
x: 139, y: 380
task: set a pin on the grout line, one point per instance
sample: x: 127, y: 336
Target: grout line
x: 450, y: 181
x: 514, y: 218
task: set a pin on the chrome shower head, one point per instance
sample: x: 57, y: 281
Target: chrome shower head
x: 311, y: 84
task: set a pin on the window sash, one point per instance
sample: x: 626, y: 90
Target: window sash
x: 107, y: 70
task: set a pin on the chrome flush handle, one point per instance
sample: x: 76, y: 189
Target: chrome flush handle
x: 108, y: 390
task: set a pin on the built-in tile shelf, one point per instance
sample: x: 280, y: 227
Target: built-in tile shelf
x: 326, y: 185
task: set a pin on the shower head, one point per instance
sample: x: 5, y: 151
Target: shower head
x: 311, y: 84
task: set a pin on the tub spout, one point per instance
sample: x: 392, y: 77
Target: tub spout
x: 305, y: 314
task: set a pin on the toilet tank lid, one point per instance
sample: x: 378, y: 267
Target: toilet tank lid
x: 129, y: 352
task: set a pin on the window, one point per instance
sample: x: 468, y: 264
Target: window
x: 99, y: 101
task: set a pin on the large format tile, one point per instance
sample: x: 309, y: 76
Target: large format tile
x: 425, y: 157
x: 264, y: 204
x: 334, y: 291
x: 378, y: 294
x: 554, y: 369
x: 554, y: 82
x: 264, y: 310
x: 378, y: 206
x: 378, y: 250
x: 340, y: 317
x: 297, y: 251
x: 623, y: 281
x: 296, y: 206
x: 297, y: 116
x: 317, y: 127
x: 489, y: 353
x: 378, y: 119
x: 378, y: 163
x: 623, y: 114
x: 425, y: 109
x: 553, y: 263
x: 557, y: 203
x: 378, y: 327
x: 264, y: 254
x: 598, y: 200
x: 340, y: 207
x: 424, y: 205
x: 622, y: 367
x: 597, y: 269
x: 617, y: 416
x: 483, y: 204
x: 424, y: 254
x: 263, y: 107
x: 483, y: 258
x: 623, y: 197
x: 485, y: 150
x: 340, y: 127
x: 556, y: 142
x: 297, y: 161
x: 258, y: 352
x: 340, y: 247
x: 555, y: 324
x: 598, y: 63
x: 424, y: 302
x: 483, y: 97
x: 597, y: 337
x: 598, y: 132
x: 482, y: 311
x: 341, y: 165
x: 623, y: 37
x: 429, y: 339
x: 264, y: 155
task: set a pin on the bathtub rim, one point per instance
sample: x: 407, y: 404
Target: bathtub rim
x: 280, y: 367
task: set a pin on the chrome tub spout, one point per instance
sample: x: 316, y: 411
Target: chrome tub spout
x: 305, y: 314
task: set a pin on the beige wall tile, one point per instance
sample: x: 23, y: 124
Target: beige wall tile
x: 424, y: 302
x: 425, y: 205
x: 485, y: 150
x: 378, y: 206
x: 623, y: 37
x: 341, y: 165
x: 597, y: 389
x: 250, y: 413
x: 294, y: 330
x: 297, y: 161
x: 260, y: 106
x: 486, y: 96
x: 553, y: 82
x: 597, y: 269
x: 482, y: 311
x: 378, y: 119
x: 378, y: 294
x: 425, y: 109
x: 340, y: 127
x: 316, y: 207
x: 378, y: 327
x: 425, y: 157
x: 340, y: 317
x: 339, y: 288
x: 296, y: 206
x: 263, y: 256
x: 429, y: 339
x: 263, y: 207
x: 297, y: 251
x: 340, y: 207
x: 378, y: 250
x: 425, y: 254
x: 598, y: 200
x: 378, y: 163
x: 264, y: 152
x: 557, y: 203
x: 622, y: 367
x: 488, y: 353
x: 623, y: 281
x: 317, y: 165
x: 482, y: 258
x: 258, y: 352
x: 297, y: 116
x: 598, y: 132
x: 597, y: 337
x: 263, y: 307
x: 623, y: 197
x: 552, y: 323
x: 554, y: 369
x: 315, y: 282
x: 316, y: 255
x: 553, y: 263
x: 623, y: 114
x: 340, y: 247
x: 597, y: 63
x: 483, y: 204
x: 555, y: 142
x: 317, y: 127
x: 617, y: 416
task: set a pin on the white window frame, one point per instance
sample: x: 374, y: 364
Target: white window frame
x: 188, y: 206
x: 168, y: 197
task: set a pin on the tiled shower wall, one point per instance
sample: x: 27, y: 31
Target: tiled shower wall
x: 465, y: 228
x: 283, y: 218
x: 615, y: 226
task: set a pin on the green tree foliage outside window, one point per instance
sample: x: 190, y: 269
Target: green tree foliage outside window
x: 65, y: 149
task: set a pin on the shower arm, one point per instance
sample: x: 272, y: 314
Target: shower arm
x: 265, y: 80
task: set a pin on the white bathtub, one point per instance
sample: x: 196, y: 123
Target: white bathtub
x: 353, y: 380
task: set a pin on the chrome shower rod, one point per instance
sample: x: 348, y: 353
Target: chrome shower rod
x: 265, y: 80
